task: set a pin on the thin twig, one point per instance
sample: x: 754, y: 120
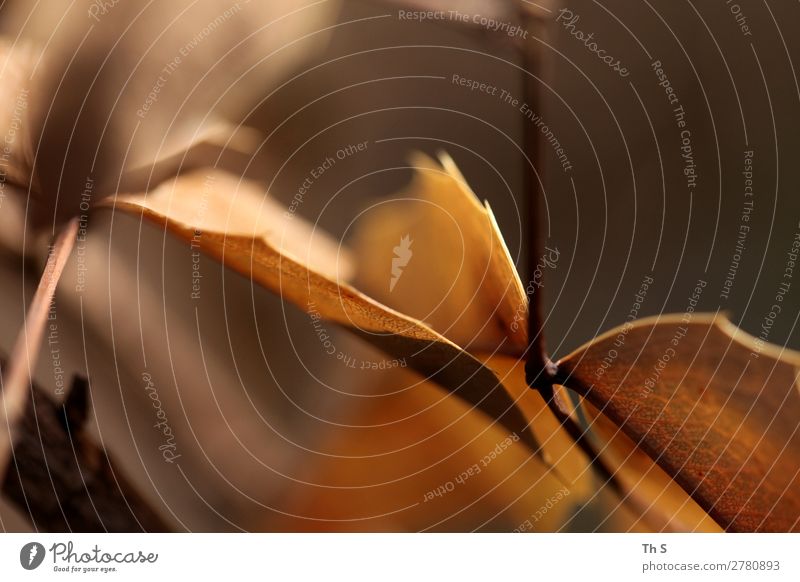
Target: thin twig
x: 538, y: 367
x: 16, y: 382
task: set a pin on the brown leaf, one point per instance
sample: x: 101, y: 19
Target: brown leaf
x: 213, y: 201
x: 219, y: 146
x: 257, y: 249
x: 660, y: 503
x: 412, y: 460
x: 717, y: 409
x: 119, y: 86
x: 459, y: 277
x: 560, y: 450
x: 17, y: 64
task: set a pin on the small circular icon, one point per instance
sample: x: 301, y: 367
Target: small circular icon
x: 31, y: 555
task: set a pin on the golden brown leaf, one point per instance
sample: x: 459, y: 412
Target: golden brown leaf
x: 718, y: 410
x: 220, y: 146
x: 17, y: 63
x: 660, y: 503
x: 199, y: 208
x: 415, y: 461
x: 558, y: 447
x: 460, y: 279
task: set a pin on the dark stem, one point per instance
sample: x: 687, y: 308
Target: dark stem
x: 538, y: 367
x: 579, y: 434
x: 541, y: 373
x: 57, y: 476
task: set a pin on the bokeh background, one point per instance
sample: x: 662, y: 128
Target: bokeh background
x: 273, y: 433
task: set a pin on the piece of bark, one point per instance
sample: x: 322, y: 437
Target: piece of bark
x: 62, y: 481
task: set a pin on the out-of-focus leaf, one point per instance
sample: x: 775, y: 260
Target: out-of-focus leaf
x: 717, y: 409
x: 460, y: 278
x: 125, y: 80
x: 498, y: 11
x: 219, y: 146
x: 412, y: 460
x: 17, y: 63
x: 204, y: 210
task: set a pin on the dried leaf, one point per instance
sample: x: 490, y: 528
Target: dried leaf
x: 460, y: 279
x: 559, y: 449
x: 213, y: 201
x: 17, y: 63
x: 717, y: 409
x: 219, y: 146
x: 660, y: 503
x: 119, y: 86
x: 411, y: 460
x: 257, y: 248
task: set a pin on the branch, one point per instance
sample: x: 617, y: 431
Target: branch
x: 61, y: 480
x: 26, y: 349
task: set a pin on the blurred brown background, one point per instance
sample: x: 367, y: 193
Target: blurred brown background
x: 254, y: 401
